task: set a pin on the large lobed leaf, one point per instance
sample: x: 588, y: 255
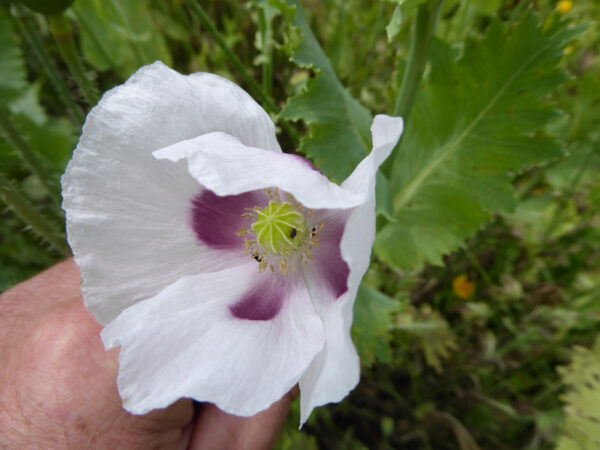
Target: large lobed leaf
x: 477, y: 121
x: 338, y: 125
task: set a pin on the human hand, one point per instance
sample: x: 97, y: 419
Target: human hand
x: 58, y: 384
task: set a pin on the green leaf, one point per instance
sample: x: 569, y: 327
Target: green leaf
x: 427, y: 329
x: 119, y: 35
x: 582, y: 377
x: 263, y: 37
x: 593, y: 195
x: 28, y: 104
x: 52, y: 138
x: 477, y: 121
x: 486, y: 6
x: 12, y: 65
x: 403, y: 10
x: 533, y: 215
x: 338, y: 125
x: 21, y: 255
x: 393, y: 28
x: 582, y: 102
x: 580, y: 168
x: 171, y: 27
x: 383, y: 197
x: 372, y: 321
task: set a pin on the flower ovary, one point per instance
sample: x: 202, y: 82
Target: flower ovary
x: 279, y: 228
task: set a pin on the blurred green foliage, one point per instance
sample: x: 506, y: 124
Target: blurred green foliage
x: 496, y: 181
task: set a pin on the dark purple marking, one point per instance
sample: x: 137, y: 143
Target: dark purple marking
x: 328, y: 263
x: 263, y: 301
x: 216, y: 220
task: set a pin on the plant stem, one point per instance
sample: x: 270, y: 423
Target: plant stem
x: 423, y: 30
x: 21, y: 206
x: 47, y: 64
x: 63, y: 35
x: 22, y: 147
x: 267, y: 50
x: 254, y: 86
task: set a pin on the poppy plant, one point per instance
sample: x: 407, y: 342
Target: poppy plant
x: 225, y: 269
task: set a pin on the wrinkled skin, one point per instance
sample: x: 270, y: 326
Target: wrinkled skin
x: 58, y: 385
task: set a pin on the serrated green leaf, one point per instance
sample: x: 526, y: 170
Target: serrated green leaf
x: 372, y: 320
x: 477, y: 121
x: 582, y: 377
x: 263, y: 40
x: 338, y: 125
x: 12, y: 66
x: 292, y: 36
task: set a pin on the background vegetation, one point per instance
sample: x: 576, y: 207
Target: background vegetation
x: 477, y: 320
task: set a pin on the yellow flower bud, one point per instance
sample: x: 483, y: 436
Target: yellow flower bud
x: 463, y: 287
x: 564, y: 6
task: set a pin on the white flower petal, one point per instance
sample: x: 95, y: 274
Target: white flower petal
x: 226, y: 166
x: 186, y: 342
x: 386, y: 132
x: 127, y: 213
x: 158, y: 106
x: 336, y: 370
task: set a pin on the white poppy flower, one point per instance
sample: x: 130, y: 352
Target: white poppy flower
x: 225, y: 269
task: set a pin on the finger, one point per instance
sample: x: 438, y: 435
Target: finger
x: 217, y: 430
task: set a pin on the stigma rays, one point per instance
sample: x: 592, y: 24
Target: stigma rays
x: 282, y: 235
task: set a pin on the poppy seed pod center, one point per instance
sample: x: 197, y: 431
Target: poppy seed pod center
x: 279, y: 228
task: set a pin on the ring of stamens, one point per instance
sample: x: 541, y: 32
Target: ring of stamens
x: 281, y: 235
